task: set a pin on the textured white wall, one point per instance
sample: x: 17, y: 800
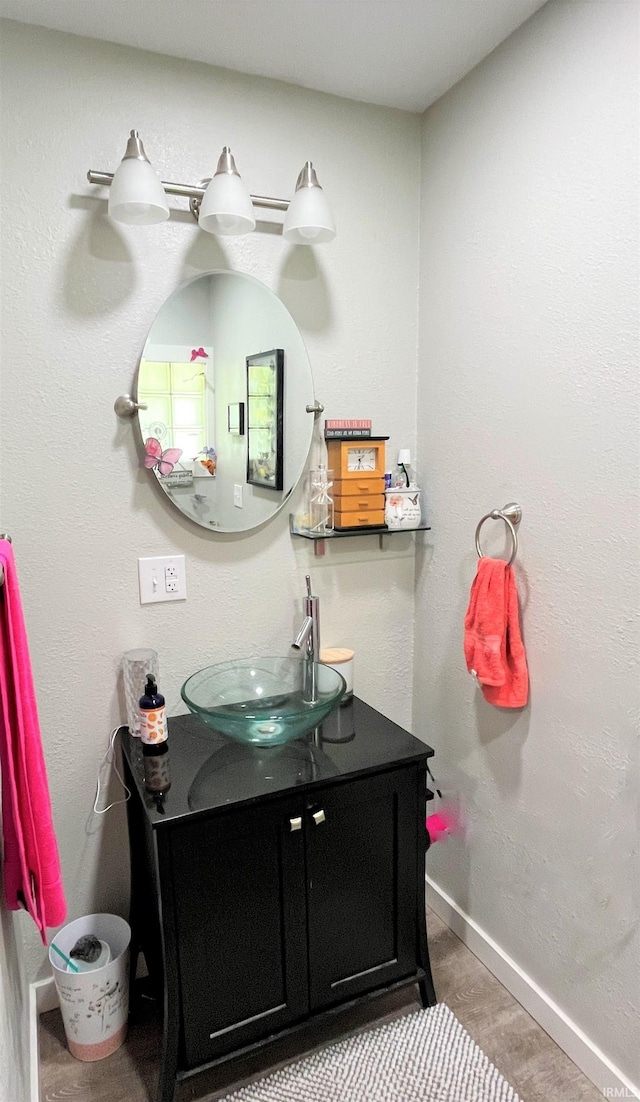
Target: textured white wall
x: 79, y: 295
x: 529, y: 391
x: 14, y: 1026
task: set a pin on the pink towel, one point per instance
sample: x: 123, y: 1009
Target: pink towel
x: 32, y: 876
x: 493, y: 647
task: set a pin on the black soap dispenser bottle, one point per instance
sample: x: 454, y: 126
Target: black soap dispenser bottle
x: 153, y: 719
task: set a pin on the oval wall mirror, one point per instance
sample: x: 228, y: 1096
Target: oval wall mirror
x: 226, y: 380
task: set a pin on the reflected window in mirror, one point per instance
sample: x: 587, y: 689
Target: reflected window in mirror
x: 176, y: 395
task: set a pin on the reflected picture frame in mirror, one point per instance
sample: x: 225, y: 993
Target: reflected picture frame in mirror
x: 195, y: 434
x: 265, y: 384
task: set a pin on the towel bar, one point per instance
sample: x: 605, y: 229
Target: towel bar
x: 511, y: 514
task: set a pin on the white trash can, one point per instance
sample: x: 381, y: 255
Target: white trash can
x: 94, y: 1004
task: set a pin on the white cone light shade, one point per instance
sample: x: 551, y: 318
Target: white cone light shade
x: 136, y: 195
x: 226, y: 207
x: 308, y: 220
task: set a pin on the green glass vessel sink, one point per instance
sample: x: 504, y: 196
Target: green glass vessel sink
x: 264, y: 701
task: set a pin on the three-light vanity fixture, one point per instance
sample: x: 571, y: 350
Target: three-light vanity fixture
x: 221, y: 205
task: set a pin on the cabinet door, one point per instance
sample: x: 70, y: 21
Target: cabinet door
x: 239, y: 898
x: 361, y: 885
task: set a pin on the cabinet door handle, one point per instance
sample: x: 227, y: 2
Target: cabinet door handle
x: 296, y: 824
x: 319, y: 817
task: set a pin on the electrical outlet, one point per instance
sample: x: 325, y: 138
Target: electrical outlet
x: 237, y: 495
x: 162, y: 578
x: 171, y: 579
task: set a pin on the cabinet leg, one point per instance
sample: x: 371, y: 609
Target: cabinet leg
x: 427, y: 990
x: 134, y: 952
x: 168, y: 1068
x: 170, y: 1035
x: 171, y: 994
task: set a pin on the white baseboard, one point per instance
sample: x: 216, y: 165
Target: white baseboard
x: 42, y: 997
x: 46, y: 995
x: 567, y: 1035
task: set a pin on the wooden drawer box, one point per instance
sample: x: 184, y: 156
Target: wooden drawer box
x: 358, y: 487
x: 363, y: 518
x: 359, y: 503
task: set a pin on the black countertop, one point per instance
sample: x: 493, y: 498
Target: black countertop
x: 210, y: 772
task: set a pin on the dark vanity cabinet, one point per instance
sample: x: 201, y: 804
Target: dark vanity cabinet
x: 240, y: 899
x: 272, y: 885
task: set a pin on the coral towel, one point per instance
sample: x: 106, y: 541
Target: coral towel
x: 493, y: 646
x: 32, y: 876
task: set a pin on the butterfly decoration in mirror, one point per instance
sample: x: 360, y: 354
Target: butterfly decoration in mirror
x: 156, y: 459
x: 207, y: 458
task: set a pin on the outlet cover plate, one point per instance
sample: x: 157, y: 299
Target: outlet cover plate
x: 162, y: 578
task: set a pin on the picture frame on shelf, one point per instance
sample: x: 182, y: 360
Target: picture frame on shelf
x: 264, y: 421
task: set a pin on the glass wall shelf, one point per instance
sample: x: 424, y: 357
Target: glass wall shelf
x: 381, y: 531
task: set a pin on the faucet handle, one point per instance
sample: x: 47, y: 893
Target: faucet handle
x: 308, y: 580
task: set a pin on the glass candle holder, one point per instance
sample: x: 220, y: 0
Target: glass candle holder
x: 136, y: 666
x: 320, y: 501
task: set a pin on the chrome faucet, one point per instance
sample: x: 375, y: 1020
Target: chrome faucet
x: 309, y: 637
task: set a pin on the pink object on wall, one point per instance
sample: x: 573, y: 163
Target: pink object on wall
x: 444, y: 823
x: 437, y: 826
x: 32, y: 875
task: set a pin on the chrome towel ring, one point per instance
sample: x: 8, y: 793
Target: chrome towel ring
x: 511, y: 514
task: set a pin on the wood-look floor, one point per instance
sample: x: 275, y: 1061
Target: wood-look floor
x: 534, y: 1065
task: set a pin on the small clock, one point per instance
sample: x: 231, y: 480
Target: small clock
x: 361, y: 459
x: 357, y: 457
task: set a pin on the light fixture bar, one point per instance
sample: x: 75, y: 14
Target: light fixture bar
x: 271, y: 204
x: 190, y: 191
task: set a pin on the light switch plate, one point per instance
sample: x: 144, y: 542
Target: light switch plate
x: 162, y: 578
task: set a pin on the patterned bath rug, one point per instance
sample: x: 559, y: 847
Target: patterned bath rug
x: 426, y: 1056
